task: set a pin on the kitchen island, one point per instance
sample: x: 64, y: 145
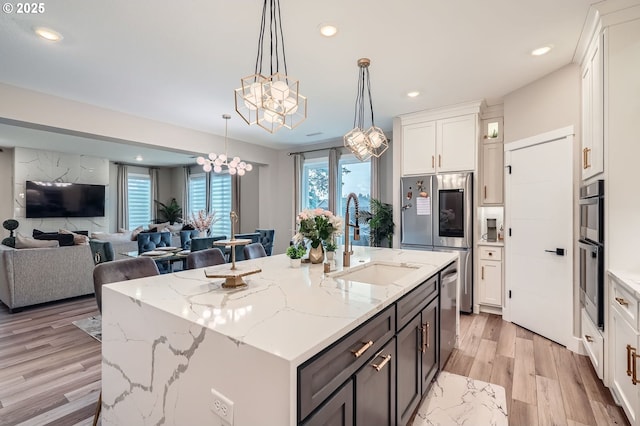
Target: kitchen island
x: 180, y: 349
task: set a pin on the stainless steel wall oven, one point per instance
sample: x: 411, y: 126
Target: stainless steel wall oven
x: 591, y: 251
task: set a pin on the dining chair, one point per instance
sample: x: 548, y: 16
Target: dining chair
x: 186, y: 237
x: 205, y: 242
x: 254, y: 251
x: 102, y: 251
x: 206, y: 257
x: 113, y: 272
x: 266, y: 239
x: 253, y: 236
x: 148, y: 241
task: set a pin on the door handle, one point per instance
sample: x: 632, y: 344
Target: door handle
x: 558, y: 251
x: 433, y: 161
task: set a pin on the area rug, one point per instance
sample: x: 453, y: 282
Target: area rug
x: 92, y: 326
x: 459, y: 400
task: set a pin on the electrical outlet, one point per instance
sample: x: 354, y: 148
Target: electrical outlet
x: 222, y: 406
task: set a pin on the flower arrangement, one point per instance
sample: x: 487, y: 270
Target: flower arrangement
x: 202, y: 221
x: 318, y: 225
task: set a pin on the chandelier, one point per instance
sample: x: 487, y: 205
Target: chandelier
x: 273, y: 101
x: 365, y: 143
x: 216, y: 162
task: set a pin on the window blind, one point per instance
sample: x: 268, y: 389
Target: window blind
x: 221, y: 203
x: 139, y: 199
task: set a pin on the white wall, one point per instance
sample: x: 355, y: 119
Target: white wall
x: 6, y: 188
x: 31, y: 164
x: 550, y: 103
x: 249, y: 202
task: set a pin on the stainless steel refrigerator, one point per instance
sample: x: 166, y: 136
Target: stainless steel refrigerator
x: 437, y: 215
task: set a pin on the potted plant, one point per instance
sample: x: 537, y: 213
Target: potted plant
x: 317, y: 225
x: 171, y: 212
x: 380, y: 221
x: 295, y: 253
x: 330, y: 246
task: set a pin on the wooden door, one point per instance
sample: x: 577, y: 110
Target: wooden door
x: 376, y: 389
x: 456, y: 141
x: 490, y: 284
x: 419, y: 149
x: 622, y: 334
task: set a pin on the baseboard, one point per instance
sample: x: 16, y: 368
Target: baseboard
x: 490, y: 309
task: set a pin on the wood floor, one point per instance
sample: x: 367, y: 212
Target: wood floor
x: 50, y: 370
x: 545, y: 383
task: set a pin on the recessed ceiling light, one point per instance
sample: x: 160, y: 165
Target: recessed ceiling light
x: 139, y: 158
x: 541, y: 50
x: 413, y: 94
x: 48, y: 34
x: 328, y: 30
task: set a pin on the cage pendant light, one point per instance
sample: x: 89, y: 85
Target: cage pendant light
x: 217, y: 162
x: 273, y: 101
x: 371, y: 142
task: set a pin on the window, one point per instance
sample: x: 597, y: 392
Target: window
x: 139, y: 197
x: 221, y: 203
x: 197, y: 193
x: 315, y: 183
x: 219, y: 196
x: 354, y: 176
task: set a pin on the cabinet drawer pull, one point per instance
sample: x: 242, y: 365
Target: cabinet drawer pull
x: 384, y: 362
x: 433, y: 161
x: 482, y: 273
x: 588, y: 338
x: 423, y: 346
x: 634, y: 355
x: 439, y: 160
x: 586, y: 161
x: 428, y: 327
x: 584, y: 158
x: 621, y: 301
x: 629, y: 360
x: 363, y: 349
x: 485, y: 192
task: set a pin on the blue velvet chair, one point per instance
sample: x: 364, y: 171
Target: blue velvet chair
x: 148, y: 241
x: 266, y: 239
x: 253, y: 236
x: 102, y: 251
x: 186, y: 237
x: 254, y: 251
x: 198, y: 244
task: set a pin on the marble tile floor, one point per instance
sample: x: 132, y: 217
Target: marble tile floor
x: 460, y: 400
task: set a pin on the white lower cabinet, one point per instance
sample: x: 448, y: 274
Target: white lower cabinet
x: 490, y: 287
x: 624, y: 350
x: 593, y: 343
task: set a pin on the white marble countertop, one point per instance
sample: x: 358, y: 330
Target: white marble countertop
x: 291, y: 313
x: 630, y: 279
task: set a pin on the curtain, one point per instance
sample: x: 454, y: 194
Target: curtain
x: 334, y: 195
x: 235, y: 201
x: 153, y: 175
x: 186, y: 171
x: 375, y: 178
x: 122, y: 200
x: 297, y: 184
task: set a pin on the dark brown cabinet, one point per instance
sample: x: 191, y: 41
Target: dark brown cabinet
x: 378, y: 373
x: 376, y: 389
x: 337, y: 410
x: 417, y: 360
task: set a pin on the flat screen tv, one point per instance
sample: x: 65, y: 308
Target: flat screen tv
x: 60, y: 199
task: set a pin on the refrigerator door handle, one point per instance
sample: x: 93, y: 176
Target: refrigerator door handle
x: 407, y: 206
x: 466, y: 268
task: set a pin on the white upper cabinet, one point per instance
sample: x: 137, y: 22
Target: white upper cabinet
x: 592, y: 161
x: 441, y: 140
x: 419, y: 148
x: 456, y: 142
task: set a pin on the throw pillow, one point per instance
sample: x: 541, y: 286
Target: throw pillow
x: 176, y: 227
x: 23, y: 242
x: 158, y: 227
x: 78, y: 239
x: 135, y: 232
x: 63, y: 239
x: 114, y: 238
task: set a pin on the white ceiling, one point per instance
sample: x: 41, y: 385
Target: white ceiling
x: 179, y: 61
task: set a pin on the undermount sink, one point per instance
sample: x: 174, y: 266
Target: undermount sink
x: 376, y: 273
